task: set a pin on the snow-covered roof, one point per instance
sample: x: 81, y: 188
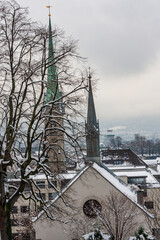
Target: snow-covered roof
x: 149, y: 177
x: 123, y: 156
x: 158, y: 168
x: 150, y: 161
x: 59, y: 176
x: 116, y: 182
x: 128, y: 168
x: 110, y: 177
x: 67, y: 175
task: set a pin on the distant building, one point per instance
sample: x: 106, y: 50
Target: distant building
x: 121, y: 157
x: 130, y: 168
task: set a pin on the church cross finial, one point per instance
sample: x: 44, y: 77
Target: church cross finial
x: 89, y: 75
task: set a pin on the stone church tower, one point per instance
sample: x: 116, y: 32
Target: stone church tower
x: 54, y: 112
x: 92, y: 129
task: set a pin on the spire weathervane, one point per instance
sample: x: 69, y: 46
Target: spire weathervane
x: 48, y: 6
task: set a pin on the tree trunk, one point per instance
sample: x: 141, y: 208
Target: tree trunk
x: 8, y: 221
x: 5, y: 224
x: 5, y: 209
x: 2, y: 204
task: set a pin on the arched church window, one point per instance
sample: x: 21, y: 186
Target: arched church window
x: 92, y: 208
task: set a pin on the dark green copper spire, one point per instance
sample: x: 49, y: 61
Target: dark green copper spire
x: 92, y: 129
x: 52, y: 79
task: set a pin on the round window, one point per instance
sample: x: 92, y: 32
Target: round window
x: 92, y: 208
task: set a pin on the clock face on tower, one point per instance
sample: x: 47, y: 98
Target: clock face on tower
x: 92, y: 208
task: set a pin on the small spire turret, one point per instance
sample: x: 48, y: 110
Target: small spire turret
x: 92, y: 128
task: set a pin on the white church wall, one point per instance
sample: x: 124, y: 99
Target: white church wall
x: 90, y: 185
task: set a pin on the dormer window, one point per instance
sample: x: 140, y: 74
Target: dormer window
x: 117, y: 162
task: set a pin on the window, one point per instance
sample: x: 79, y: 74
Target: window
x: 26, y: 221
x: 115, y: 154
x: 14, y: 209
x: 51, y: 196
x: 149, y: 204
x: 15, y: 236
x: 136, y: 180
x: 24, y: 209
x: 125, y: 153
x: 27, y: 188
x: 41, y: 196
x: 117, y: 162
x: 92, y: 208
x: 41, y: 184
x: 14, y: 222
x: 53, y: 183
x: 26, y: 236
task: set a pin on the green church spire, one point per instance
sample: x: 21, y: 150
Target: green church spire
x: 92, y: 129
x: 52, y: 78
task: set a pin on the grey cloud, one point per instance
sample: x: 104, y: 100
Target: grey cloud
x: 121, y: 39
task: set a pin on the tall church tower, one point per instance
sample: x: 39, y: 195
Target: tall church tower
x: 55, y: 112
x: 92, y: 129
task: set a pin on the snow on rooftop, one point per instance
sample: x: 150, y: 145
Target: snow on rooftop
x: 122, y: 167
x: 158, y: 168
x: 154, y: 172
x: 67, y: 175
x: 150, y: 178
x: 148, y: 175
x: 150, y: 161
x: 116, y: 182
x: 131, y: 174
x: 59, y: 176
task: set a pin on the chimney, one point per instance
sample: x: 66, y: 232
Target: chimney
x: 140, y: 197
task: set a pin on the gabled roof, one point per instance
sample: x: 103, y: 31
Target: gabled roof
x: 110, y: 177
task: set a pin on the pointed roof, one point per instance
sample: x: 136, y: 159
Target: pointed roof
x: 91, y: 116
x: 92, y: 129
x: 52, y: 78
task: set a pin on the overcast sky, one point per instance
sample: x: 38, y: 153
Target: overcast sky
x: 121, y: 39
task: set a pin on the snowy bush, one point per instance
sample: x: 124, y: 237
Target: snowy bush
x: 141, y: 235
x: 96, y: 235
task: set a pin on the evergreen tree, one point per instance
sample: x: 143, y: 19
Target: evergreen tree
x: 141, y: 235
x: 97, y: 235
